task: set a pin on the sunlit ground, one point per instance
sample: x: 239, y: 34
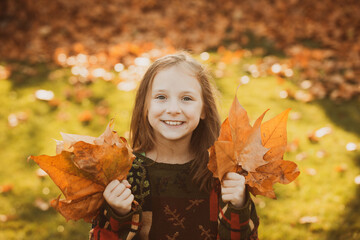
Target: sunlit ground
x: 79, y: 96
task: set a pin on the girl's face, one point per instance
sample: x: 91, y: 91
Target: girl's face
x: 175, y: 104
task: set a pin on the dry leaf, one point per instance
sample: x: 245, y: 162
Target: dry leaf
x: 311, y: 171
x: 41, y: 204
x: 6, y: 188
x: 341, y: 168
x: 316, y: 135
x: 301, y: 156
x: 85, y: 116
x: 82, y: 169
x: 321, y: 153
x: 6, y: 218
x: 104, y: 47
x: 308, y: 219
x: 254, y: 151
x: 4, y: 72
x: 293, y: 146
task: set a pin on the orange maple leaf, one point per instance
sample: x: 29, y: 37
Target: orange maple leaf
x: 82, y: 169
x: 254, y: 151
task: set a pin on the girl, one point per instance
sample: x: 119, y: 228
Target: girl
x: 174, y: 122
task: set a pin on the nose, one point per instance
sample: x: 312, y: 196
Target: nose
x: 173, y: 107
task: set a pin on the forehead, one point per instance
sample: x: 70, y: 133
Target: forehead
x: 175, y: 78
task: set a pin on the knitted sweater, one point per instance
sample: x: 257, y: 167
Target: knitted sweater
x: 174, y: 208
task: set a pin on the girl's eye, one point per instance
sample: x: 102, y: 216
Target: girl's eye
x: 187, y: 98
x: 160, y: 97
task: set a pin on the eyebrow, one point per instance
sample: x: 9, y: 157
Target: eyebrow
x: 184, y: 92
x: 159, y: 90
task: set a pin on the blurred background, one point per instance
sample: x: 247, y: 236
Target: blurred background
x: 71, y: 66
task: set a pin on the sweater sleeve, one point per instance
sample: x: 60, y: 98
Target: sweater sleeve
x: 237, y: 223
x: 110, y: 226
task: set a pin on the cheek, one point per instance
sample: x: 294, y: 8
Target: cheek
x: 154, y: 112
x: 154, y: 109
x: 194, y: 111
x: 151, y: 118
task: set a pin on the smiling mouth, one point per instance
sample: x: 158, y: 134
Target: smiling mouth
x: 173, y: 123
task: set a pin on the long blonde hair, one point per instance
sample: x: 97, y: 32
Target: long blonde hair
x: 205, y: 134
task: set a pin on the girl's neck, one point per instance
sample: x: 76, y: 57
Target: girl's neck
x: 177, y: 152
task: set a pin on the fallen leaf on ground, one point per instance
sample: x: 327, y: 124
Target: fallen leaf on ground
x: 41, y: 204
x: 341, y: 168
x: 311, y: 171
x: 6, y: 188
x: 308, y: 219
x: 82, y: 169
x: 301, y: 156
x: 293, y: 146
x: 6, y: 218
x: 321, y: 153
x: 85, y: 116
x: 316, y: 135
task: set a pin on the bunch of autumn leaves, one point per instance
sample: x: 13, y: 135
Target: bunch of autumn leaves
x: 85, y: 165
x: 254, y: 151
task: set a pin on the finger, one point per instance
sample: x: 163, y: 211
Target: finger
x: 232, y: 183
x: 232, y: 190
x: 227, y: 197
x: 129, y: 199
x: 110, y: 187
x: 233, y: 176
x: 125, y: 194
x: 229, y: 183
x: 125, y: 203
x: 118, y: 190
x: 126, y: 183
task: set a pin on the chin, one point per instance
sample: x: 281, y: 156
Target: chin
x: 173, y: 137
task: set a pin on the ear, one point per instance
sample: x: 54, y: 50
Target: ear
x: 203, y: 114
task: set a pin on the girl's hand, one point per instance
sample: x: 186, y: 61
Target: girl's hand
x: 119, y: 196
x: 233, y: 189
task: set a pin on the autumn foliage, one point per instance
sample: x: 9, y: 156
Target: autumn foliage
x: 82, y: 169
x: 114, y: 31
x: 254, y: 151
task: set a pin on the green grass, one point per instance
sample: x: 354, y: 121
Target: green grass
x: 330, y: 195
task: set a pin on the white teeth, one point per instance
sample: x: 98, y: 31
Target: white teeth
x: 173, y: 123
